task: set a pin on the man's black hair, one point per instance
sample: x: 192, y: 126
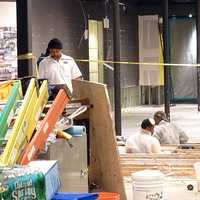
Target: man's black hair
x: 146, y: 123
x: 55, y: 44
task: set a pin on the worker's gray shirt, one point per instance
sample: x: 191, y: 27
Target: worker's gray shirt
x: 168, y: 133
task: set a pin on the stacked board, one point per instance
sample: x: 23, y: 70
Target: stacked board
x: 46, y: 127
x: 29, y: 132
x: 179, y: 164
x: 26, y: 121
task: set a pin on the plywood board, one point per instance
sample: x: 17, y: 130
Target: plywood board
x: 105, y: 168
x: 180, y: 164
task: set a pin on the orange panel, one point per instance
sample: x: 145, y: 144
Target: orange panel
x: 45, y: 128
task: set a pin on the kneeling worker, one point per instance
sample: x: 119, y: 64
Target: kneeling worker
x: 144, y: 142
x: 166, y: 132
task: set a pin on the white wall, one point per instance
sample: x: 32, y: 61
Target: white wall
x: 8, y: 14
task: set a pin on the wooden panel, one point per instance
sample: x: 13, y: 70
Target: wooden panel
x: 104, y: 169
x: 179, y: 164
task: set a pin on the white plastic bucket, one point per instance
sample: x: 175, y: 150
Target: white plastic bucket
x: 197, y: 169
x: 197, y: 172
x: 148, y: 185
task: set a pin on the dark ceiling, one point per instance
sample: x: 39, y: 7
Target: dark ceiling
x: 149, y: 2
x: 142, y: 1
x: 159, y: 1
x: 152, y: 1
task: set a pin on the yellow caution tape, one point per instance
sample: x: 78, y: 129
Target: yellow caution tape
x: 138, y: 63
x: 29, y: 56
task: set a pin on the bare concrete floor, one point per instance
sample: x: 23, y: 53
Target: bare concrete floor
x: 185, y: 116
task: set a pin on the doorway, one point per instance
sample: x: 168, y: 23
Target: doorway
x: 183, y: 42
x: 96, y: 70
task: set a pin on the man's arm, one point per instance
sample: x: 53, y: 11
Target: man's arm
x: 79, y: 78
x: 76, y: 73
x: 129, y: 150
x: 156, y: 146
x: 182, y: 135
x: 41, y: 70
x: 157, y: 133
x: 130, y: 145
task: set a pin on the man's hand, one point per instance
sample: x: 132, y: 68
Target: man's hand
x: 79, y: 78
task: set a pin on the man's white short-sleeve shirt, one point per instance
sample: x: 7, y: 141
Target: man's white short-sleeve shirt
x: 59, y: 72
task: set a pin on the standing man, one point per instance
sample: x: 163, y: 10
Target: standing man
x: 144, y: 142
x: 166, y: 132
x: 57, y: 67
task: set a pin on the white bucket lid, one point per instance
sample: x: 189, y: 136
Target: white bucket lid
x: 148, y: 175
x: 197, y: 169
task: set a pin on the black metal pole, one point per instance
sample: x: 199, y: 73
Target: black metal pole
x: 198, y: 53
x: 116, y: 48
x: 24, y: 36
x: 166, y: 43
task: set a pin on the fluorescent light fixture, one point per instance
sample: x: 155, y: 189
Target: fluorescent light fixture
x: 190, y: 15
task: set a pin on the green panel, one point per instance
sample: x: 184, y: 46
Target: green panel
x: 8, y: 109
